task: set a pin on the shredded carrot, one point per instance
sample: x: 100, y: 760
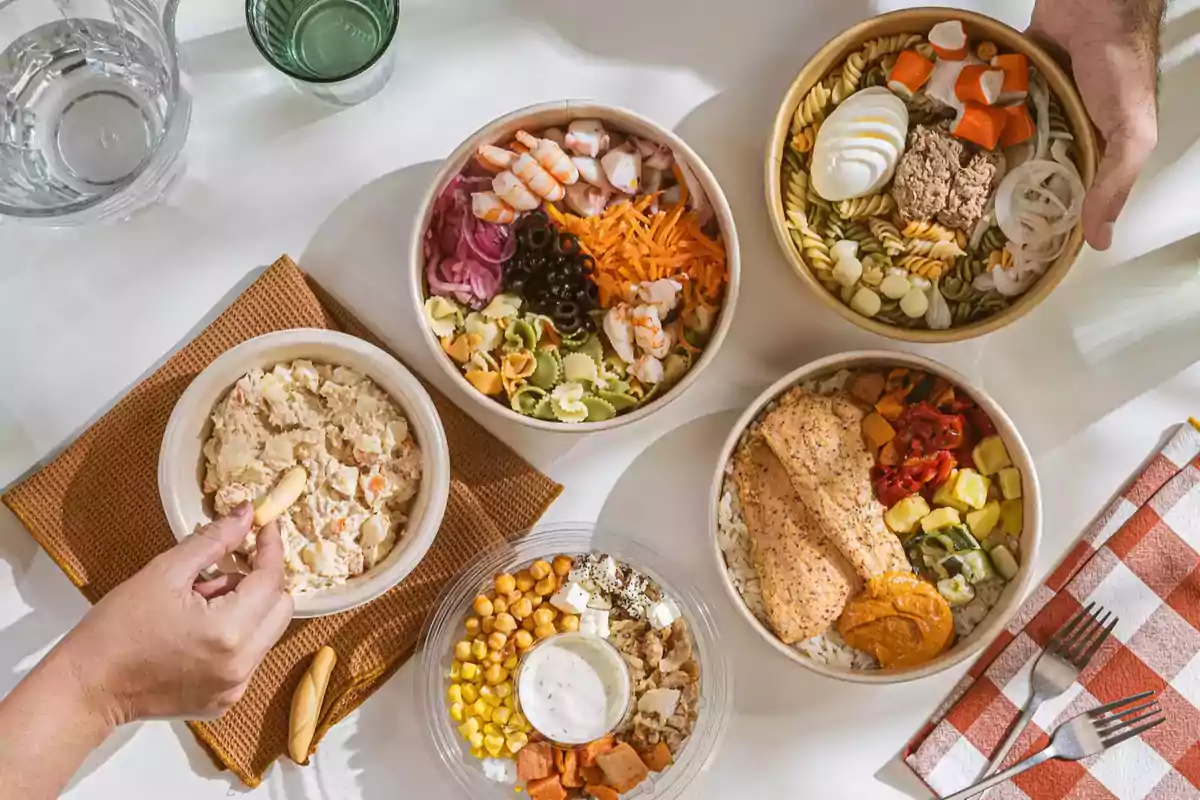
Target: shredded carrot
x: 633, y: 245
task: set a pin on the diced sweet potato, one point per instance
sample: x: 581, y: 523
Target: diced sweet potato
x: 535, y: 761
x: 657, y: 759
x: 868, y: 387
x: 587, y: 756
x: 558, y: 760
x: 571, y: 777
x: 546, y: 789
x: 891, y: 405
x: 623, y: 768
x: 877, y: 430
x: 602, y: 792
x: 889, y: 456
x: 592, y: 774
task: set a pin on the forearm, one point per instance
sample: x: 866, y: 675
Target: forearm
x: 48, y: 725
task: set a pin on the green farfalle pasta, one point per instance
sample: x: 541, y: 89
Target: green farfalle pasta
x: 520, y: 335
x: 598, y: 408
x: 542, y: 409
x: 526, y: 399
x: 620, y: 400
x: 548, y: 371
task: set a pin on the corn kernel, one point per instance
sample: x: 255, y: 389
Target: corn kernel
x: 510, y: 703
x: 525, y: 581
x: 477, y: 752
x: 454, y: 693
x: 510, y: 663
x: 504, y: 690
x: 569, y: 623
x: 504, y: 583
x: 462, y: 651
x: 482, y: 605
x: 456, y: 670
x: 495, y: 674
x: 516, y: 741
x: 476, y: 740
x: 481, y: 709
x: 497, y: 641
x: 469, y: 671
x: 470, y: 693
x: 469, y: 728
x: 499, y: 606
x: 472, y: 626
x: 540, y: 569
x: 528, y: 624
x: 502, y: 715
x: 505, y: 623
x: 523, y: 639
x: 491, y: 729
x: 493, y: 744
x: 494, y: 701
x: 562, y: 566
x: 479, y: 648
x: 458, y: 713
x: 546, y: 586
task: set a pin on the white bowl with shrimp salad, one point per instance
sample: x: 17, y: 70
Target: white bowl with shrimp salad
x: 532, y: 299
x: 331, y: 438
x: 875, y: 517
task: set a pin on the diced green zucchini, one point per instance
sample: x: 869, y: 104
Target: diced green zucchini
x: 983, y: 521
x: 991, y: 455
x: 957, y: 539
x: 904, y: 516
x: 1010, y: 483
x: 940, y: 518
x: 944, y: 496
x: 977, y: 567
x: 1005, y: 564
x: 949, y: 566
x: 956, y: 590
x: 971, y: 489
x: 1012, y: 517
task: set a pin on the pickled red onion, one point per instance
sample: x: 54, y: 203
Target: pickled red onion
x: 463, y: 255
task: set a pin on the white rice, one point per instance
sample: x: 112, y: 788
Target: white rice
x: 826, y: 648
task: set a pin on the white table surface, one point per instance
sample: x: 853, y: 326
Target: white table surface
x: 1093, y: 378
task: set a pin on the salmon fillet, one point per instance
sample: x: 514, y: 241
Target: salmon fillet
x: 818, y: 440
x: 806, y: 581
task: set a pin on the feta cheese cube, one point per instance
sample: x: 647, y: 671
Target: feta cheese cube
x: 663, y: 614
x: 500, y: 770
x: 571, y: 599
x: 607, y: 573
x: 594, y: 622
x: 659, y: 701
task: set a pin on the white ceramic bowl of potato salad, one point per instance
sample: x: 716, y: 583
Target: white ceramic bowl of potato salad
x: 327, y: 435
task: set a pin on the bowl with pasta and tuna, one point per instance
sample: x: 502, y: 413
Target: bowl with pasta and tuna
x: 875, y: 517
x: 576, y: 268
x: 926, y: 174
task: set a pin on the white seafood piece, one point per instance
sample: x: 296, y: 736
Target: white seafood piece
x: 654, y: 155
x: 697, y: 199
x: 551, y: 157
x: 663, y: 294
x: 647, y: 369
x: 490, y: 208
x: 652, y: 179
x: 618, y: 327
x: 648, y: 331
x: 587, y: 137
x: 587, y: 200
x: 535, y: 176
x: 623, y: 168
x: 509, y: 188
x: 591, y: 172
x: 496, y: 157
x: 556, y: 135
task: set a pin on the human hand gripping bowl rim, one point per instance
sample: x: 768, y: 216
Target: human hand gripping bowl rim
x: 527, y: 290
x: 926, y: 174
x: 860, y: 568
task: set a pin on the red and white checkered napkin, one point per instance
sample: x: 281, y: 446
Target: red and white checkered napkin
x: 1139, y: 559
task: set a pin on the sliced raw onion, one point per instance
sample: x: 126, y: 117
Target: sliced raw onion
x: 1028, y: 211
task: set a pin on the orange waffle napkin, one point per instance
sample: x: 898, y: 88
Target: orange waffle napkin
x: 96, y: 511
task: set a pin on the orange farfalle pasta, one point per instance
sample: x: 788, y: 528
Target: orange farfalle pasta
x: 633, y: 245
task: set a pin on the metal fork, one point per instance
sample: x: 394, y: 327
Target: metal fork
x: 1084, y: 735
x: 1059, y: 666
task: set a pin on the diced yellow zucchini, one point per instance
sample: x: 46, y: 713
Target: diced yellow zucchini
x: 1010, y: 483
x: 983, y: 521
x: 971, y: 488
x: 904, y: 516
x: 991, y: 455
x: 944, y: 496
x: 1011, y: 517
x: 940, y: 518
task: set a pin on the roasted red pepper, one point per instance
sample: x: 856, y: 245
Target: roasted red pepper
x: 914, y: 475
x: 922, y: 429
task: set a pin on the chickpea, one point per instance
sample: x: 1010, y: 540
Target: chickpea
x: 528, y: 624
x: 562, y: 566
x: 497, y: 641
x: 546, y: 586
x: 499, y: 605
x: 540, y: 569
x: 505, y: 624
x: 543, y: 616
x: 522, y: 608
x: 487, y: 625
x: 494, y: 657
x: 525, y: 581
x: 523, y: 639
x: 482, y: 605
x: 513, y: 597
x: 568, y: 624
x: 505, y: 583
x: 535, y: 599
x: 472, y: 626
x: 544, y: 631
x: 462, y: 651
x: 495, y: 674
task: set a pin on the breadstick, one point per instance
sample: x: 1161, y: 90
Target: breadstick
x: 286, y: 491
x: 306, y: 703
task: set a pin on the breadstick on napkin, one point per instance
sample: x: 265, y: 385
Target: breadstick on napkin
x: 306, y: 703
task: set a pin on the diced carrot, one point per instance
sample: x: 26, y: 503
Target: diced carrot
x: 546, y: 789
x: 1016, y: 76
x: 910, y: 73
x: 1020, y: 126
x: 659, y: 758
x: 587, y: 756
x: 572, y: 778
x: 601, y: 792
x: 623, y: 768
x: 980, y: 124
x: 979, y: 83
x: 949, y: 40
x: 534, y: 762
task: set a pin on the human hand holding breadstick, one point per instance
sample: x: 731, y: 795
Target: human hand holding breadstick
x: 1112, y: 47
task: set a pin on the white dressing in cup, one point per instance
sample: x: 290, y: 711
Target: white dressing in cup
x: 573, y: 688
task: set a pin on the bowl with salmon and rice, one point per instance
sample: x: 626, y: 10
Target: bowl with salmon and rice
x: 875, y: 517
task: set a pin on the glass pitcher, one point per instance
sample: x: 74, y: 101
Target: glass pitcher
x: 92, y: 113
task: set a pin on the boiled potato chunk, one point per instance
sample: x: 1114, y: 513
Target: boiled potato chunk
x: 991, y: 455
x: 940, y: 519
x: 1011, y: 517
x: 944, y: 496
x: 983, y: 521
x: 971, y: 488
x: 904, y: 516
x: 1010, y: 483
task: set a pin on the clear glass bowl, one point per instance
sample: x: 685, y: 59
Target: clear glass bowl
x: 444, y: 628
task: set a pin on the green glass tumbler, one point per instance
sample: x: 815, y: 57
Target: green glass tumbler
x: 338, y: 50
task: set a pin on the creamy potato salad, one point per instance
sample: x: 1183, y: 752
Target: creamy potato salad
x: 352, y: 440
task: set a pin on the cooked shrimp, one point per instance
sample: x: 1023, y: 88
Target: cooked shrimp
x: 490, y: 208
x: 556, y: 135
x: 647, y: 369
x: 587, y: 137
x: 539, y: 181
x: 648, y: 331
x: 587, y: 200
x: 551, y: 157
x: 496, y: 158
x: 508, y: 187
x: 619, y: 329
x: 591, y: 172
